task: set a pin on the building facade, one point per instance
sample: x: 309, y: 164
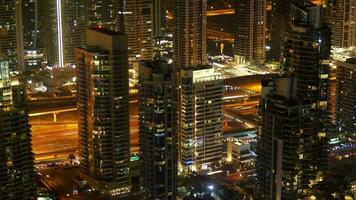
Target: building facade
x: 64, y: 30
x: 345, y: 96
x: 200, y: 119
x: 18, y: 178
x: 139, y: 29
x: 11, y: 35
x: 285, y: 149
x: 108, y: 14
x: 189, y: 33
x: 343, y: 23
x: 103, y: 105
x: 158, y: 130
x: 250, y: 35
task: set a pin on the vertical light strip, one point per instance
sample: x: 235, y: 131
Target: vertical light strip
x: 59, y: 32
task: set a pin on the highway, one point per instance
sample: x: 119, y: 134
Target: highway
x: 52, y: 141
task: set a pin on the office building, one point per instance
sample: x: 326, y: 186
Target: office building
x: 158, y: 129
x: 200, y: 118
x: 250, y: 35
x: 11, y: 35
x: 285, y: 163
x: 103, y: 105
x: 189, y: 33
x: 108, y: 14
x: 345, y: 96
x: 343, y: 23
x: 17, y: 170
x: 139, y: 29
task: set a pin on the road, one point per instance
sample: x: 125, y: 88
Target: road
x: 55, y: 141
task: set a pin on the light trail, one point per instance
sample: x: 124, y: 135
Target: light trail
x: 60, y: 33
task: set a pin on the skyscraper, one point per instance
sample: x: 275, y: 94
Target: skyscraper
x: 200, y: 118
x: 285, y: 167
x: 200, y: 90
x: 106, y: 13
x: 139, y: 29
x: 345, y: 96
x: 307, y: 52
x: 189, y: 33
x: 64, y: 23
x: 158, y: 129
x: 17, y: 161
x: 250, y: 35
x: 103, y: 104
x: 306, y: 56
x: 11, y: 35
x: 159, y: 17
x: 343, y: 23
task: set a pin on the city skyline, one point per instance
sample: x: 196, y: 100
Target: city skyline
x: 177, y: 99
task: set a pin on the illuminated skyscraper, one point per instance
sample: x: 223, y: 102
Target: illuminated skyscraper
x: 250, y: 35
x: 200, y: 118
x: 343, y: 15
x: 103, y: 104
x: 158, y: 130
x: 11, y: 35
x: 160, y: 17
x: 200, y: 91
x: 64, y: 23
x: 286, y: 145
x: 306, y: 55
x: 345, y: 96
x: 17, y: 170
x: 139, y: 28
x: 105, y: 13
x: 189, y: 33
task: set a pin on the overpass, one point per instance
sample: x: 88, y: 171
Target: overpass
x: 211, y: 13
x: 57, y: 109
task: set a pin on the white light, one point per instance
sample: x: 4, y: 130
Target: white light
x: 59, y: 29
x: 210, y: 187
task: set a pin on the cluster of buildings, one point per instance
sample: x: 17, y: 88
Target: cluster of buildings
x: 179, y: 95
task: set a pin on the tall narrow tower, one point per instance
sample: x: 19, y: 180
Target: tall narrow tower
x: 158, y: 129
x: 11, y: 35
x: 17, y: 170
x: 250, y: 35
x: 189, y: 33
x: 343, y: 23
x: 285, y: 167
x: 103, y: 104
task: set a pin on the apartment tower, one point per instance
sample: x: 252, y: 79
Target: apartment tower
x: 103, y: 105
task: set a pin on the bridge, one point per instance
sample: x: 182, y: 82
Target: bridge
x: 211, y: 13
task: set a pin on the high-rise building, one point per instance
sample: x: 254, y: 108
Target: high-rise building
x: 200, y: 118
x: 250, y: 35
x: 345, y: 96
x: 277, y: 22
x: 159, y: 17
x: 139, y: 29
x: 108, y: 14
x: 103, y: 105
x: 286, y: 145
x: 158, y: 129
x: 32, y: 27
x: 17, y: 170
x: 307, y: 52
x: 306, y: 55
x: 343, y: 23
x: 64, y: 23
x: 11, y: 35
x: 189, y: 33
